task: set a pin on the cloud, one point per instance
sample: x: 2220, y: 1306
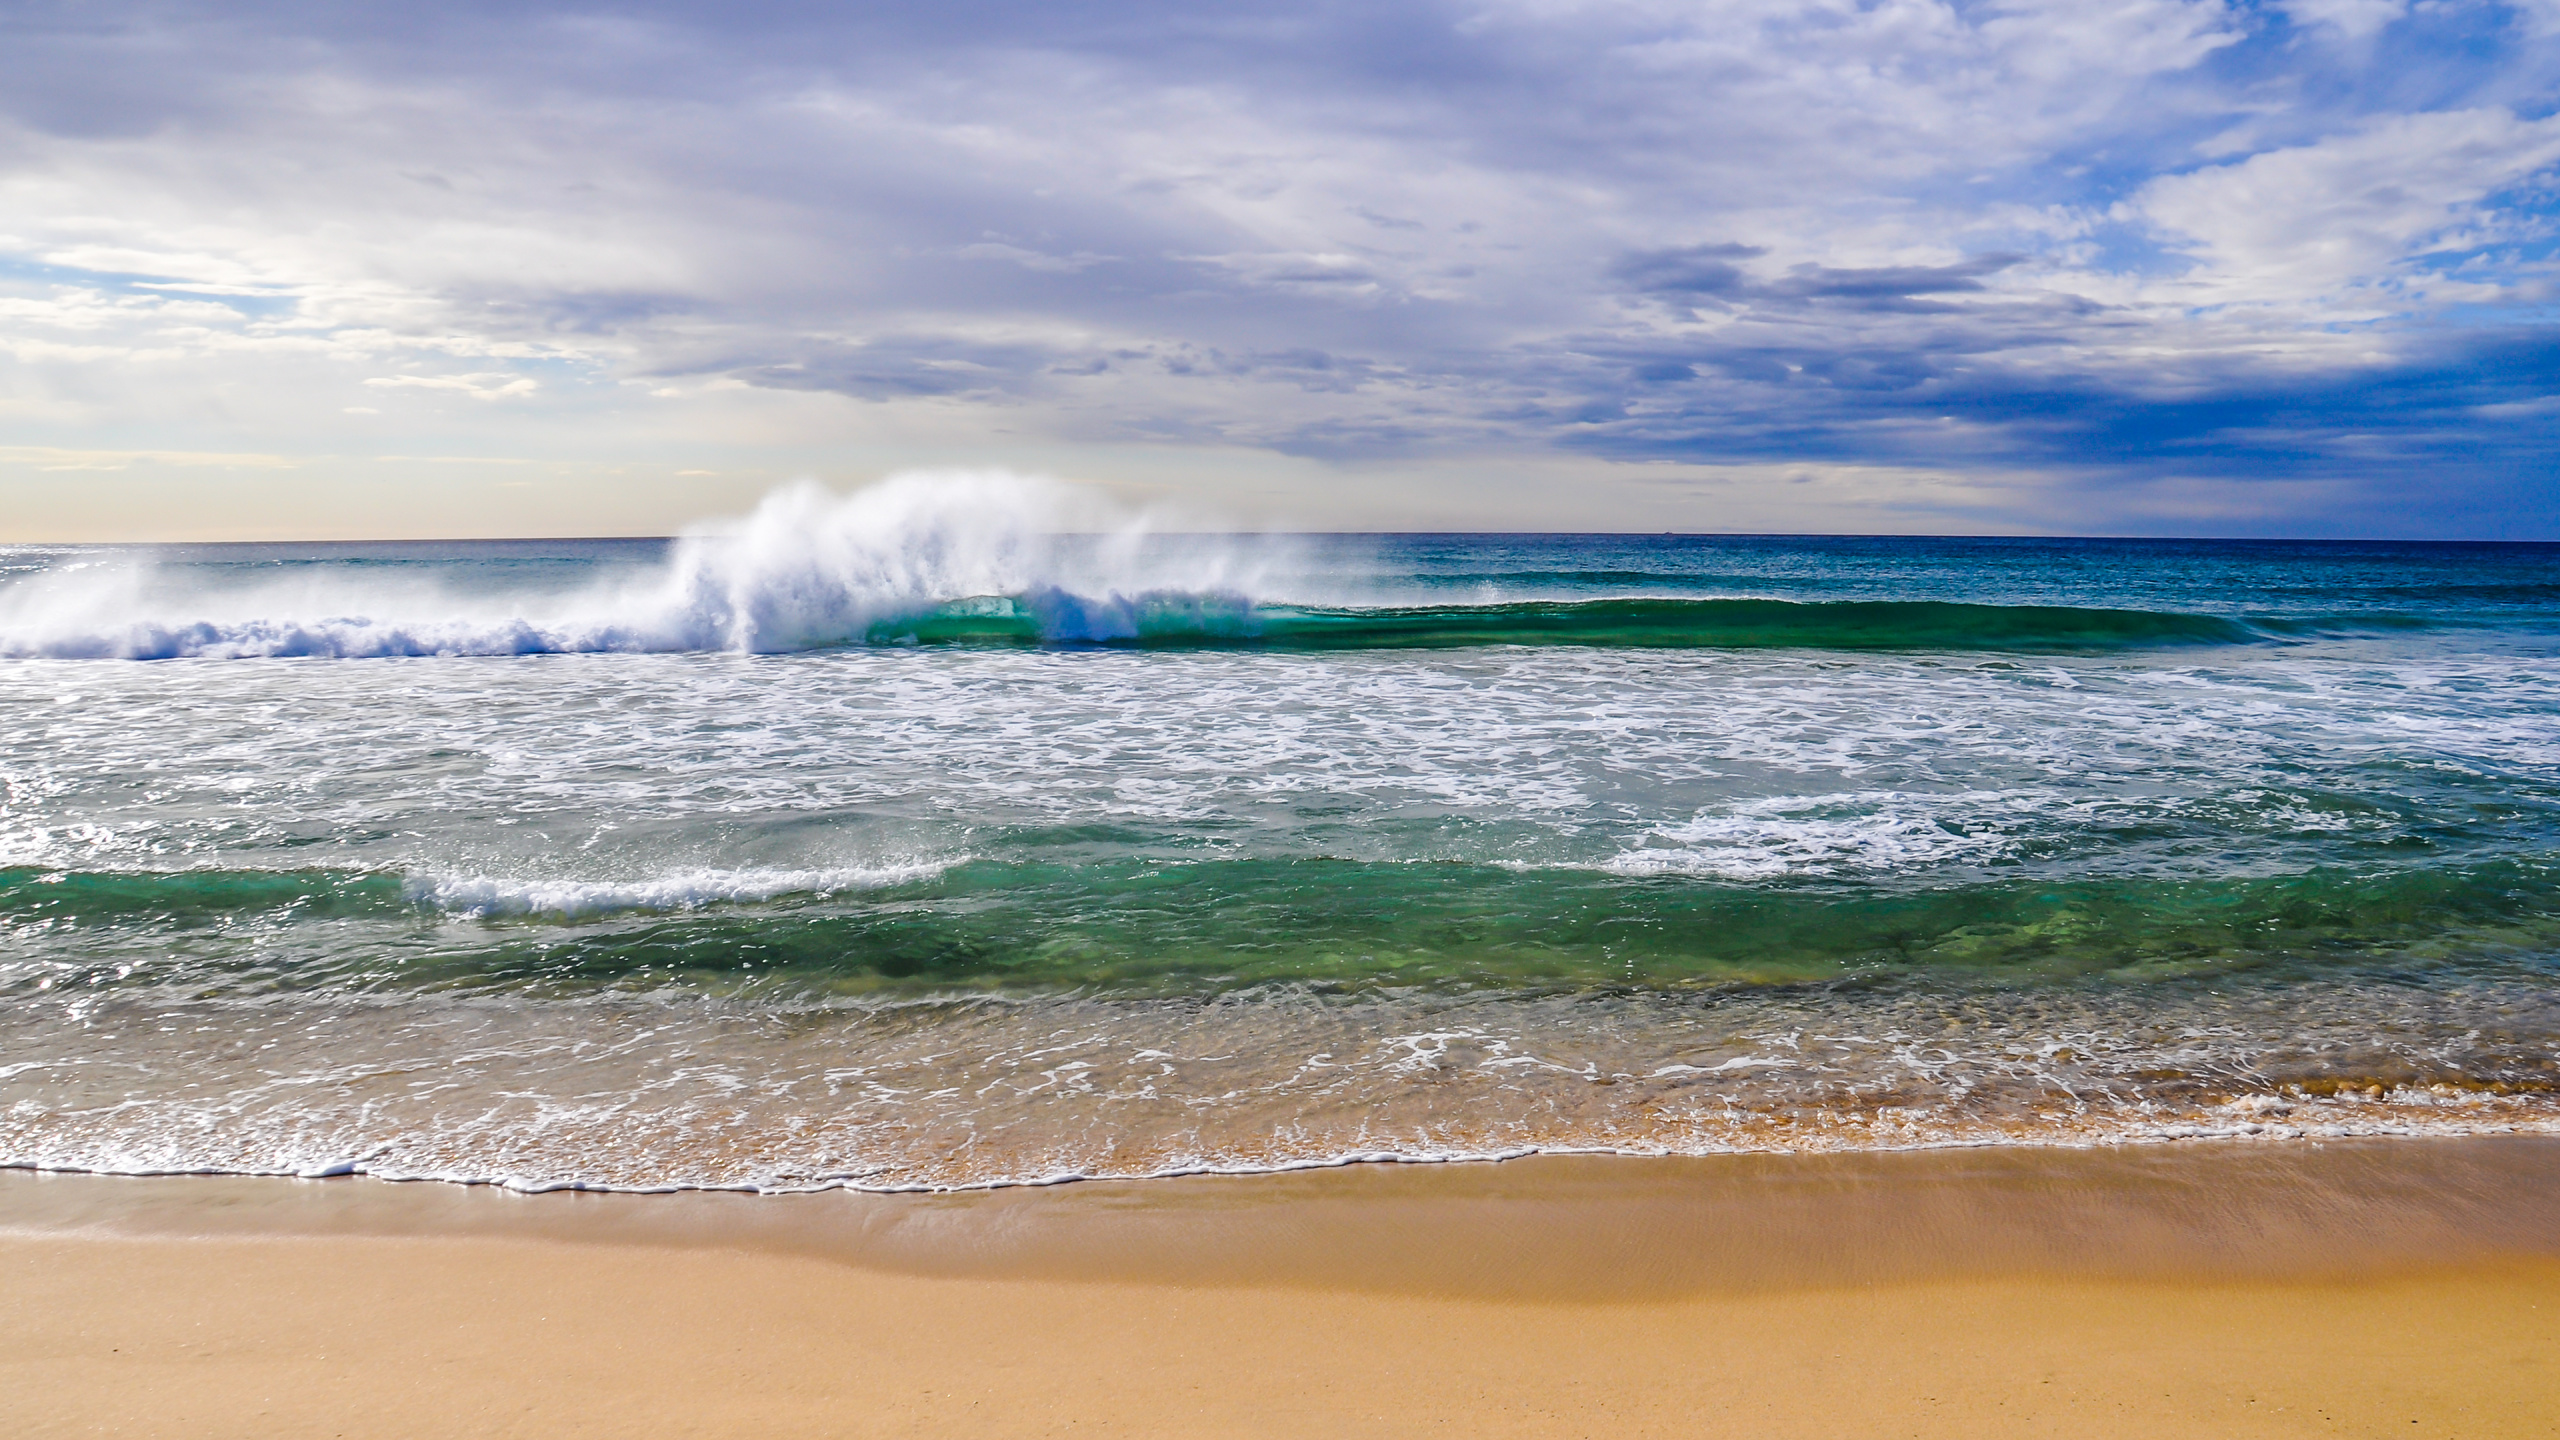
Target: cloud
x: 2084, y: 244
x: 1031, y: 259
x: 1688, y: 271
x: 2351, y: 211
x: 2352, y: 19
x: 486, y: 385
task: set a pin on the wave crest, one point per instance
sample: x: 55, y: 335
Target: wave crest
x: 960, y: 558
x: 808, y: 569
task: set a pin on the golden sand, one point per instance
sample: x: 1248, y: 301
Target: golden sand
x: 2283, y: 1291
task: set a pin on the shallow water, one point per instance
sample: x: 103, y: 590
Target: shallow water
x: 895, y: 843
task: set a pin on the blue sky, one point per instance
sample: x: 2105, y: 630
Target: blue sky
x: 2159, y: 266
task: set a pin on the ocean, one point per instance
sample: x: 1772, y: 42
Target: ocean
x: 969, y: 832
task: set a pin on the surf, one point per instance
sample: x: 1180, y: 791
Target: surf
x: 1136, y: 927
x: 960, y: 559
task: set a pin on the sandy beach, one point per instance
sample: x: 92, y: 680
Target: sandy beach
x: 2374, y: 1288
x: 1728, y: 720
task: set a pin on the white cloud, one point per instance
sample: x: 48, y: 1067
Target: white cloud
x: 49, y: 457
x: 2353, y: 19
x: 491, y: 385
x: 2321, y: 220
x: 2540, y: 17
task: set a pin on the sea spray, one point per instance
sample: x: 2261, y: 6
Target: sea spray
x: 809, y: 569
x: 806, y: 569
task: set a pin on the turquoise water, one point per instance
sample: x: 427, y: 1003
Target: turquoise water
x: 911, y: 846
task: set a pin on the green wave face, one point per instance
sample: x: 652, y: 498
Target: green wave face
x: 1174, y: 621
x: 1751, y: 624
x: 1212, y: 927
x: 35, y: 901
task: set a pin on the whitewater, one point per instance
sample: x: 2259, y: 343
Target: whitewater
x: 806, y: 570
x: 973, y: 829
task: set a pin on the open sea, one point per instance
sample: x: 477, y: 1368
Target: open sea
x: 959, y: 833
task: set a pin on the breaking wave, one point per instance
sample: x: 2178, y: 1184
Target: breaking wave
x: 961, y: 559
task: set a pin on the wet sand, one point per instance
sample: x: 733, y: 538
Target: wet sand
x: 2373, y: 1288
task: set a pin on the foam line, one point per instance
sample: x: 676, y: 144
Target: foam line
x: 481, y: 895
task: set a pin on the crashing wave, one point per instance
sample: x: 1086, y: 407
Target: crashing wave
x: 970, y: 559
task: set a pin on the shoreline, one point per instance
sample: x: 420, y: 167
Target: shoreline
x: 1582, y: 1225
x: 2272, y: 1124
x: 2232, y: 1289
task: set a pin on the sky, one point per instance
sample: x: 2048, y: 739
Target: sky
x: 2178, y: 267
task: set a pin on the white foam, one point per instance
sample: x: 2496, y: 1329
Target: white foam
x: 650, y: 1089
x: 1726, y: 1067
x: 2115, y: 1132
x: 808, y: 568
x: 1868, y: 831
x: 483, y: 895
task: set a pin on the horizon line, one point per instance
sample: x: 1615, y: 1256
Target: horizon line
x: 7, y: 545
